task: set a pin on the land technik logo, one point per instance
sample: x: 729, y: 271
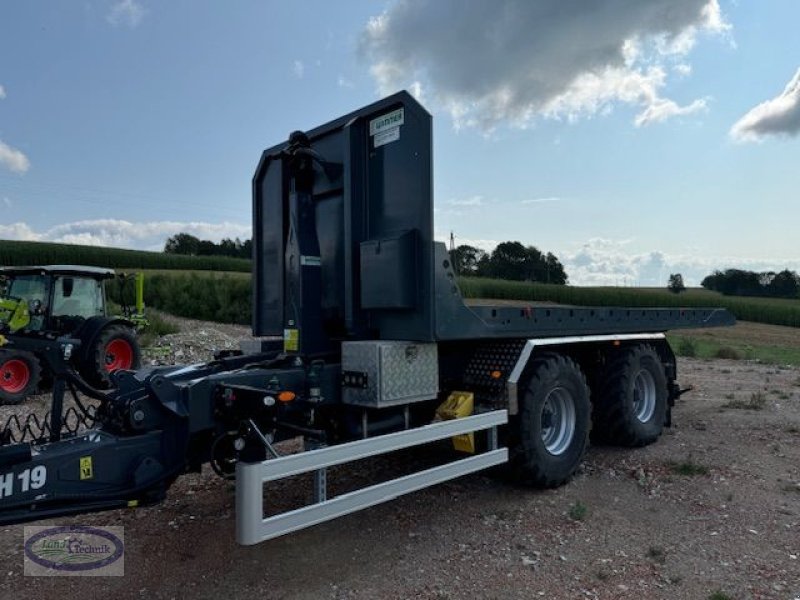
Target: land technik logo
x: 74, y: 550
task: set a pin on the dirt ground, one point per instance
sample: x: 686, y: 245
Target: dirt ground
x: 712, y: 507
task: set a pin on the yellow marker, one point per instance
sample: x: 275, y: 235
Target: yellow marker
x: 458, y: 405
x: 3, y: 340
x: 291, y: 340
x: 87, y: 470
x: 133, y: 503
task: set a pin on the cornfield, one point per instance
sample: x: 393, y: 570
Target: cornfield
x: 14, y: 253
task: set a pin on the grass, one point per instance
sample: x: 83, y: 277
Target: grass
x: 578, y: 511
x: 757, y: 401
x: 719, y: 595
x: 157, y: 326
x: 696, y: 347
x: 688, y: 468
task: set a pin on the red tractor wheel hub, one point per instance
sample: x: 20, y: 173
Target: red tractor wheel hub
x: 119, y: 355
x: 14, y: 375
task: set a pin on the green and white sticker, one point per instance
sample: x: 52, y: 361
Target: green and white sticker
x: 387, y: 121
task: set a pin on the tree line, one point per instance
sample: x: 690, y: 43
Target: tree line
x: 737, y: 282
x: 509, y: 260
x: 187, y: 244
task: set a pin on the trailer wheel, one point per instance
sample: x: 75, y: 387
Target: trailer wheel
x: 115, y: 348
x: 552, y: 428
x: 20, y: 373
x: 632, y: 402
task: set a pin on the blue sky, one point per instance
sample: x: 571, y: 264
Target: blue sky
x: 631, y: 143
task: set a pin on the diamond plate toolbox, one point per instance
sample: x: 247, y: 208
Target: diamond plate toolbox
x: 387, y: 373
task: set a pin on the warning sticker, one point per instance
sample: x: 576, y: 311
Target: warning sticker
x: 291, y: 339
x: 387, y: 136
x: 87, y: 470
x: 388, y: 121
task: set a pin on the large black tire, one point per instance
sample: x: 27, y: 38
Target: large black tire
x: 114, y: 348
x: 20, y: 374
x: 549, y: 436
x: 631, y: 404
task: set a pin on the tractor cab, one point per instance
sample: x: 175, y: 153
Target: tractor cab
x: 59, y: 298
x: 66, y: 300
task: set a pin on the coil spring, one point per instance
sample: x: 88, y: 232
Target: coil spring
x: 33, y: 428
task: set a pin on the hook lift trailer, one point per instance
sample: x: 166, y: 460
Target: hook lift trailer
x: 366, y: 347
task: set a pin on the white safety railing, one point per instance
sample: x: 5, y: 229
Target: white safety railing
x: 252, y: 527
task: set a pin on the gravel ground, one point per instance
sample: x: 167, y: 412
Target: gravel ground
x: 714, y: 506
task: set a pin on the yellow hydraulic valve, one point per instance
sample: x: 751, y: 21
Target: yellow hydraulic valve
x: 458, y: 405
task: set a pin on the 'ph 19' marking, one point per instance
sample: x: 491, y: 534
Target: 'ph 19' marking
x: 29, y: 479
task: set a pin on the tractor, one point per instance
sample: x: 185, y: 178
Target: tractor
x: 66, y: 300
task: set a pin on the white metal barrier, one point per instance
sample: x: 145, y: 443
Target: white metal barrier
x: 252, y: 527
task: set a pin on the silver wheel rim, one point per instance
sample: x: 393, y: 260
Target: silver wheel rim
x: 644, y: 395
x: 558, y: 421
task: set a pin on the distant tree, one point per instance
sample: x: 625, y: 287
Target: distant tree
x: 182, y: 243
x: 512, y: 260
x: 675, y: 283
x: 736, y: 282
x: 555, y: 270
x: 207, y: 248
x: 247, y: 249
x: 509, y: 260
x: 785, y: 284
x: 466, y: 259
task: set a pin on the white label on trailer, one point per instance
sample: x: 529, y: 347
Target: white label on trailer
x: 27, y: 480
x: 310, y: 261
x: 387, y: 136
x: 387, y: 121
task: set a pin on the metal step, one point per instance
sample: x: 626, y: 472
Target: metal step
x: 252, y: 527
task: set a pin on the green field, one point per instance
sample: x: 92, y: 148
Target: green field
x: 13, y: 253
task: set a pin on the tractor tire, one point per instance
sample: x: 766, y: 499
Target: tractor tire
x: 115, y: 348
x: 20, y: 374
x: 631, y: 404
x: 549, y: 436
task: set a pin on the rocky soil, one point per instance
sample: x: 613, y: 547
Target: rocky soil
x: 712, y: 508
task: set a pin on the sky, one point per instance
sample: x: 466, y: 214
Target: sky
x: 631, y: 138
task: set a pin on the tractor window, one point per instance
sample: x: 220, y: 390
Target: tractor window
x: 28, y: 287
x: 77, y: 297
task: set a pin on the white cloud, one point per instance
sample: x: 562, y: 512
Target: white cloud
x: 13, y: 159
x: 662, y: 109
x: 489, y: 63
x: 298, y: 68
x: 147, y: 235
x: 611, y: 262
x: 546, y: 200
x: 2, y: 92
x: 343, y: 82
x: 126, y: 12
x: 470, y: 201
x: 779, y: 116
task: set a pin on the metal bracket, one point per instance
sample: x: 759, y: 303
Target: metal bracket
x: 252, y: 527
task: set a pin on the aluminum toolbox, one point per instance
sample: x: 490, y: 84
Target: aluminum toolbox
x: 377, y: 374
